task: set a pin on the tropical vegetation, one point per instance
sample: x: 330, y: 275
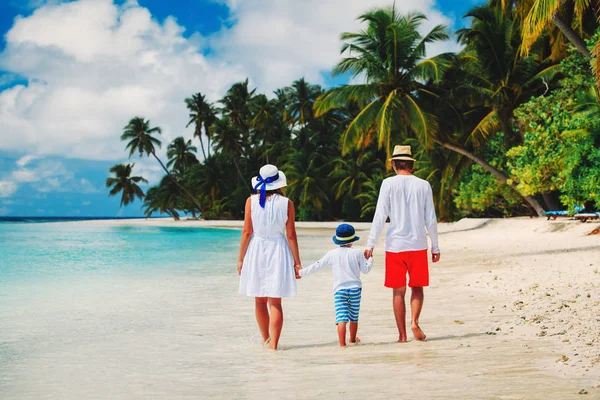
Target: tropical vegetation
x: 506, y: 126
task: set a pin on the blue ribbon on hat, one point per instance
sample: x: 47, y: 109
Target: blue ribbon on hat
x: 262, y: 183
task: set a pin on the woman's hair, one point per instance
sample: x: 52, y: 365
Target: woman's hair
x: 280, y: 191
x: 406, y: 165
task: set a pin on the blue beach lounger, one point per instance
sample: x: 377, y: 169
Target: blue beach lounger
x: 584, y: 217
x: 562, y: 213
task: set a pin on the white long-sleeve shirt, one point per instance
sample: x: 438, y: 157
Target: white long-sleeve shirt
x: 408, y: 202
x: 346, y: 263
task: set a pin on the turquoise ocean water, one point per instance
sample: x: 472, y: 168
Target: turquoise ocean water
x: 46, y: 251
x: 89, y: 310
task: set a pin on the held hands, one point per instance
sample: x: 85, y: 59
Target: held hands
x: 297, y: 269
x: 368, y: 253
x: 435, y: 257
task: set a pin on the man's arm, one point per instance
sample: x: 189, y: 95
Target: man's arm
x: 431, y: 224
x: 381, y: 214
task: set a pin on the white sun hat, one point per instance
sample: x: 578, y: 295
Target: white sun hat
x: 271, y: 177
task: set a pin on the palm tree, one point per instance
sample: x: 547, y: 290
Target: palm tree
x: 540, y: 14
x: 306, y: 185
x: 237, y: 104
x: 351, y: 173
x: 125, y: 183
x: 229, y: 142
x: 139, y: 133
x: 164, y: 198
x: 181, y: 154
x: 501, y: 79
x: 202, y: 114
x: 300, y: 98
x: 390, y: 55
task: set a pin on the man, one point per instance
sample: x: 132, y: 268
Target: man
x: 408, y: 202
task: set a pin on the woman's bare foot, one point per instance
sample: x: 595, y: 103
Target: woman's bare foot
x: 356, y: 340
x: 402, y: 339
x: 418, y: 333
x: 266, y: 341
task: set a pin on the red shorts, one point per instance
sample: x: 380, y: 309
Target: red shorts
x: 398, y: 264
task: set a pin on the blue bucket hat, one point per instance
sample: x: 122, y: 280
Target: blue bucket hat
x: 345, y: 234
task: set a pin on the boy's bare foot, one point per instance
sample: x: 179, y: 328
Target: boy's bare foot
x: 356, y: 341
x: 418, y: 333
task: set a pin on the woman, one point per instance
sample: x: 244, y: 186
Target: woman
x: 268, y: 263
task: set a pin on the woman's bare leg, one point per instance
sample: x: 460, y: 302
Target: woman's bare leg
x: 262, y: 316
x: 276, y: 321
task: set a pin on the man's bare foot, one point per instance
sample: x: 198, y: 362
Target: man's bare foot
x: 402, y: 339
x: 418, y: 333
x: 356, y: 341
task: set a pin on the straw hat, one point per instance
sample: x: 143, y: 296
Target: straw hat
x: 271, y: 177
x: 402, y: 153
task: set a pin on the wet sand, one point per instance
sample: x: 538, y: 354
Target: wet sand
x: 513, y: 312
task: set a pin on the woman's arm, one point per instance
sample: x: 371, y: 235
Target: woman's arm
x: 246, y: 234
x: 290, y: 227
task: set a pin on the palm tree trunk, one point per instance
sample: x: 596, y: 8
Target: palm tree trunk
x: 207, y: 131
x: 191, y: 196
x: 496, y: 173
x: 571, y: 35
x: 240, y: 172
x: 201, y: 144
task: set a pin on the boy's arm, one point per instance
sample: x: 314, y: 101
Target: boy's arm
x: 365, y: 265
x: 323, y: 262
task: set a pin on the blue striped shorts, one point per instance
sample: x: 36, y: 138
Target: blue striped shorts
x: 347, y: 305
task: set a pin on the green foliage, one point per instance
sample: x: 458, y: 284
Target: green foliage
x: 480, y: 193
x: 560, y: 147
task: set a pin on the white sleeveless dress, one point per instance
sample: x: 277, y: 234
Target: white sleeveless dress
x: 268, y: 269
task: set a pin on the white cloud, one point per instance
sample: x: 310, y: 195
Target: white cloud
x: 23, y: 161
x: 7, y: 188
x: 92, y: 65
x: 280, y: 41
x: 48, y: 176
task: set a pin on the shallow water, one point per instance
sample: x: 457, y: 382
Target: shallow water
x: 93, y: 312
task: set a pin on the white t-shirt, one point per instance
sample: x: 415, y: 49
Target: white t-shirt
x: 408, y: 201
x: 346, y: 263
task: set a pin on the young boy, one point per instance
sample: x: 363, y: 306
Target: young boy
x: 347, y: 264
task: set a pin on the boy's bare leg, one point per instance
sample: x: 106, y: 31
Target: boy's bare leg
x: 276, y: 321
x: 416, y: 304
x: 262, y: 316
x: 341, y: 328
x: 400, y: 313
x: 353, y: 331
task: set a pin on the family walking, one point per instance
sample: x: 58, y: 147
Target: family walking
x: 269, y: 258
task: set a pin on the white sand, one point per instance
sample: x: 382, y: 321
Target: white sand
x: 513, y: 312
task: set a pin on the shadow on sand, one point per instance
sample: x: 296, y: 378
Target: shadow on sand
x: 369, y: 344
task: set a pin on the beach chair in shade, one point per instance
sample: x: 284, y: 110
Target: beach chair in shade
x: 560, y: 213
x: 584, y: 217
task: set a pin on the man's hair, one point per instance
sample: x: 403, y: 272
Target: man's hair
x: 400, y: 165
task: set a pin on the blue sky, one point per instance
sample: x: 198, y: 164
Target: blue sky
x: 72, y: 73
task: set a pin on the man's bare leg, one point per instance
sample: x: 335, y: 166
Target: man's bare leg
x: 276, y: 321
x: 341, y: 328
x: 416, y: 304
x: 353, y: 331
x: 400, y: 313
x: 262, y: 317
